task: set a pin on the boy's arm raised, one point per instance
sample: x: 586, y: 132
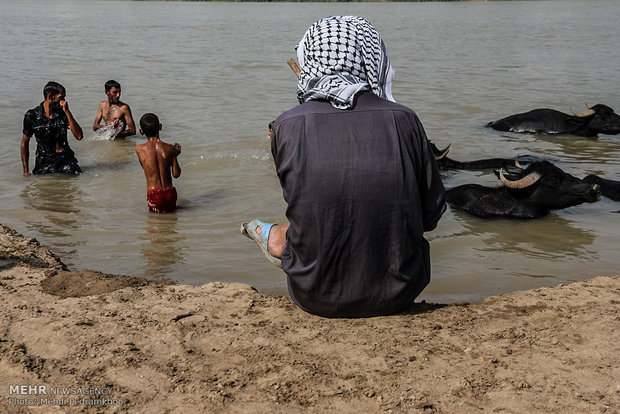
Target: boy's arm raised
x: 176, y: 168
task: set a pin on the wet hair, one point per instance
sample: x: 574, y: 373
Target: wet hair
x: 149, y: 123
x: 53, y: 88
x: 112, y: 84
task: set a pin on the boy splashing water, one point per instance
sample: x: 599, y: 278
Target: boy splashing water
x: 160, y: 164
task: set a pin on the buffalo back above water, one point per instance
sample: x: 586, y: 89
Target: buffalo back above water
x: 446, y: 163
x: 599, y: 119
x: 530, y: 192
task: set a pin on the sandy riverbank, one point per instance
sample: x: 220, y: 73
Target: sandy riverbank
x: 143, y: 347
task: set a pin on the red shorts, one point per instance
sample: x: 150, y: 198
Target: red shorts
x: 162, y: 201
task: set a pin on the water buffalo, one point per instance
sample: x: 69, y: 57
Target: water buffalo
x: 530, y: 192
x: 446, y: 163
x: 609, y: 188
x: 599, y: 119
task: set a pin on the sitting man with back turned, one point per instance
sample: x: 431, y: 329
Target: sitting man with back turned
x: 115, y: 113
x: 158, y: 159
x: 48, y: 122
x: 359, y: 179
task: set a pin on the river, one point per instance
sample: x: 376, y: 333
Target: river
x: 216, y: 75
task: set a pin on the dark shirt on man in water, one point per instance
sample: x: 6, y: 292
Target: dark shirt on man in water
x: 53, y: 154
x: 362, y: 187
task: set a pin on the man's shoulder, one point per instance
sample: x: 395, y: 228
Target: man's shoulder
x: 364, y: 102
x: 169, y: 148
x: 310, y: 107
x: 34, y: 111
x: 151, y: 146
x: 370, y: 102
x: 147, y: 146
x: 165, y: 144
x: 291, y: 113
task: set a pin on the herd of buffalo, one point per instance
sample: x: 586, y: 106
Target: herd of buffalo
x: 537, y: 187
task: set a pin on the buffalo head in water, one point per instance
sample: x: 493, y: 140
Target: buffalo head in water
x: 599, y: 119
x: 609, y: 188
x: 530, y: 192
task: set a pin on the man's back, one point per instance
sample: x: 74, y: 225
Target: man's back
x: 361, y: 187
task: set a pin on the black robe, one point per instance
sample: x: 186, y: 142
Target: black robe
x: 361, y: 187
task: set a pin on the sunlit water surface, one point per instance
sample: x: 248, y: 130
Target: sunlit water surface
x: 216, y: 75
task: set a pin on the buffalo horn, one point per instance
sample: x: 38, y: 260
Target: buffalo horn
x: 585, y: 114
x: 517, y: 163
x: 526, y: 181
x: 443, y: 152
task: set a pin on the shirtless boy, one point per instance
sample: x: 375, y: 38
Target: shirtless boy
x: 158, y: 159
x: 114, y: 112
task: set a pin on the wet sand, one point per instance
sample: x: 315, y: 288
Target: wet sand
x: 127, y: 344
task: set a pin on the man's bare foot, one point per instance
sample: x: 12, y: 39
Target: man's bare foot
x: 273, y: 244
x: 277, y: 239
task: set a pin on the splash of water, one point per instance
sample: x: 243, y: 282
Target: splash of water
x: 106, y: 133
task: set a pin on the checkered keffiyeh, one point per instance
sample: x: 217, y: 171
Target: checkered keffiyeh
x: 340, y: 56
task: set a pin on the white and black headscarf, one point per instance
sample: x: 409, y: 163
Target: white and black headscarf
x: 340, y: 56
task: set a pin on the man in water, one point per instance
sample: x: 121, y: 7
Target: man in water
x: 158, y: 159
x: 359, y: 179
x: 48, y: 122
x: 115, y: 113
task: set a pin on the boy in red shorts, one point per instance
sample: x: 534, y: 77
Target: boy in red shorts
x: 158, y: 160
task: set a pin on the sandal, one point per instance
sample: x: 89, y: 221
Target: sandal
x: 249, y: 231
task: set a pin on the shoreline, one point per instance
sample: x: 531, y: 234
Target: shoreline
x: 128, y: 344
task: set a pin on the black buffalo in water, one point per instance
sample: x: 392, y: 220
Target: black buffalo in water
x: 609, y: 188
x: 599, y: 119
x: 446, y: 163
x: 530, y: 192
